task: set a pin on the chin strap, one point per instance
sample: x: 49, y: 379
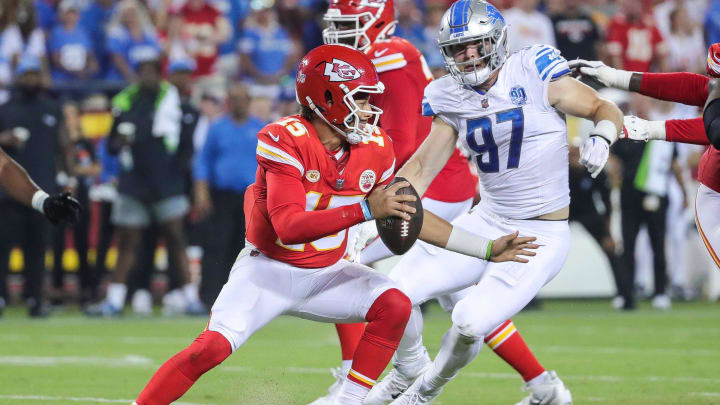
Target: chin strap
x: 352, y: 137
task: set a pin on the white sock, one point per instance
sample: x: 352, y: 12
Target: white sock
x: 411, y: 357
x: 539, y: 379
x: 455, y: 353
x: 190, y: 291
x: 352, y: 393
x: 116, y: 295
x: 345, y: 367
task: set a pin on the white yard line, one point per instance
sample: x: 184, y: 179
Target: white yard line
x: 46, y: 398
x: 706, y: 394
x: 130, y: 360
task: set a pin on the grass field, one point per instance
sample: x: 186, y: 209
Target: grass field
x: 604, y: 357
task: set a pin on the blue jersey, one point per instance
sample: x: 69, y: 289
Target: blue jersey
x: 133, y: 50
x: 268, y: 48
x: 73, y: 47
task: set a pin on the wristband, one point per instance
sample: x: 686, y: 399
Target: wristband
x: 607, y: 130
x: 38, y: 199
x: 366, y: 210
x: 462, y: 241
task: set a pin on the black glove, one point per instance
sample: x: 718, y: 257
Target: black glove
x: 62, y: 208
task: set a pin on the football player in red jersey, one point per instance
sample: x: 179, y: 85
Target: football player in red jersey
x: 368, y: 25
x: 318, y: 173
x: 687, y: 88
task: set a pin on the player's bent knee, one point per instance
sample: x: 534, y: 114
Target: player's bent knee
x: 207, y: 351
x: 393, y: 307
x: 470, y: 323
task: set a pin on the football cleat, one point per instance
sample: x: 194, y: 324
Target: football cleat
x: 550, y: 392
x: 415, y: 396
x: 396, y: 382
x: 389, y: 388
x: 662, y: 302
x: 334, y: 390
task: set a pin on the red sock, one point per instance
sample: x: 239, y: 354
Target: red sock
x: 386, y: 318
x: 349, y: 335
x: 181, y: 371
x: 507, y: 343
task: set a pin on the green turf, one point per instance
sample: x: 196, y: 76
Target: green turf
x: 605, y: 357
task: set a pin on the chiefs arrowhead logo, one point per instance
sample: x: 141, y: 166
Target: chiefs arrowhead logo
x: 341, y: 71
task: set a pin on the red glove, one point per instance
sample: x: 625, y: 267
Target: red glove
x: 713, y: 60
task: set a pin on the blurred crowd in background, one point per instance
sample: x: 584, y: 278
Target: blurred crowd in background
x: 167, y: 211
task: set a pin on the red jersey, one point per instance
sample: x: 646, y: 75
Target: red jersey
x: 404, y: 72
x: 636, y: 42
x: 200, y: 26
x: 304, y: 199
x: 691, y: 89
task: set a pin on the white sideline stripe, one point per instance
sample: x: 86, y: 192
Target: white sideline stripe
x: 129, y: 360
x: 706, y: 394
x: 79, y: 399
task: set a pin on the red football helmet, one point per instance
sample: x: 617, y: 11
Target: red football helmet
x: 328, y: 79
x: 713, y: 60
x: 359, y: 23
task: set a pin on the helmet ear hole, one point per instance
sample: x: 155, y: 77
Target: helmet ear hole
x: 328, y: 97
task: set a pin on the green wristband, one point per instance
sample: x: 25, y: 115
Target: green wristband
x: 489, y: 251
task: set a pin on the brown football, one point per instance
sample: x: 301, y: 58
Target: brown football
x: 397, y: 233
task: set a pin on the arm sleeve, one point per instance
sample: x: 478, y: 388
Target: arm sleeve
x: 686, y: 131
x: 292, y: 224
x: 400, y: 122
x: 680, y: 87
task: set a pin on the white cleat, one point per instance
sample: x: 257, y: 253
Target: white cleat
x: 389, y: 388
x: 333, y: 391
x: 550, y: 392
x: 661, y: 302
x: 415, y: 396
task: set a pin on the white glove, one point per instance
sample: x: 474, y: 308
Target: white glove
x: 594, y: 154
x: 367, y: 232
x: 610, y: 77
x: 639, y: 129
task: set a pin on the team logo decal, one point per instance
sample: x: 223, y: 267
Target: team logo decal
x: 517, y: 95
x: 341, y: 71
x: 367, y: 180
x: 485, y: 103
x: 312, y: 176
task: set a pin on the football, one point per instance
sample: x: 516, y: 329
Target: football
x: 396, y: 233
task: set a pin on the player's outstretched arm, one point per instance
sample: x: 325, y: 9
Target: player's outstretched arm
x: 575, y: 98
x: 420, y: 170
x: 685, y: 131
x: 680, y: 87
x: 509, y: 248
x: 16, y: 181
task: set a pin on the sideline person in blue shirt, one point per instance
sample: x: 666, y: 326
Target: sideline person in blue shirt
x: 223, y: 170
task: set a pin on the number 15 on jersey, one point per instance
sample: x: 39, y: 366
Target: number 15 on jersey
x: 485, y: 146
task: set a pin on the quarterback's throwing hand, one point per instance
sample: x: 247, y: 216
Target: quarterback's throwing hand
x: 511, y: 248
x: 384, y: 203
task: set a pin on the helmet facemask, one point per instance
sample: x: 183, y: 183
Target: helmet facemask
x: 337, y: 33
x: 356, y: 129
x: 353, y: 128
x: 492, y: 50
